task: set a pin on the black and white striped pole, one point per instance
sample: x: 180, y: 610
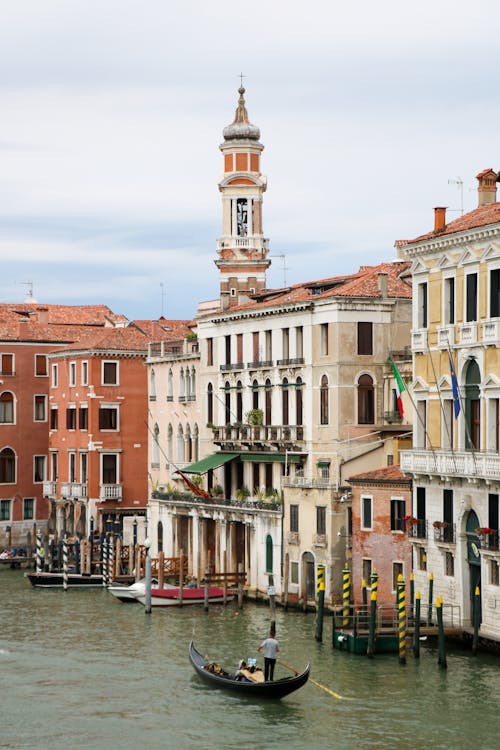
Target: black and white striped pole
x: 38, y: 552
x: 65, y: 563
x: 105, y: 562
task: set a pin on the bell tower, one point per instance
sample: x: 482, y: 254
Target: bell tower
x: 242, y: 250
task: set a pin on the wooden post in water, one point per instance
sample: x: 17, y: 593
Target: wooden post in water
x: 320, y: 601
x: 441, y: 641
x: 429, y: 606
x: 272, y: 604
x: 402, y: 619
x: 147, y: 594
x: 181, y: 577
x: 476, y: 617
x: 416, y: 634
x: 118, y: 557
x: 240, y: 585
x: 370, y: 650
x: 412, y: 597
x: 224, y: 570
x: 161, y: 569
x: 285, y: 581
x: 137, y: 562
x: 207, y: 581
x: 131, y: 559
x: 346, y: 595
x: 365, y: 603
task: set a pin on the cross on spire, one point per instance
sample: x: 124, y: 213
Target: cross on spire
x: 241, y: 76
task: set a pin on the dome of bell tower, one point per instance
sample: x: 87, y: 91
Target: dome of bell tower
x: 241, y: 128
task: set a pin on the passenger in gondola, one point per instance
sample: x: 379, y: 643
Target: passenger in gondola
x: 240, y: 674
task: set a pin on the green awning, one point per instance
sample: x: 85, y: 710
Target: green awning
x: 209, y: 462
x: 323, y: 464
x: 269, y: 458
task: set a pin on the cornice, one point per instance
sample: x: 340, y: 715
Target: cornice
x: 453, y: 240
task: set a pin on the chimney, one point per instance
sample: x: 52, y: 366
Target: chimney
x: 487, y: 187
x: 43, y: 315
x: 439, y: 218
x: 382, y: 283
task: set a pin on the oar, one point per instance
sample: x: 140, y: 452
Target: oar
x: 318, y: 684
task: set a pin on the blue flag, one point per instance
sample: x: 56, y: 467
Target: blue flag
x: 454, y: 388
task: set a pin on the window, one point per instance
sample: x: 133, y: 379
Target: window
x: 239, y: 348
x: 495, y: 293
x: 299, y: 410
x: 7, y: 466
x: 227, y: 343
x: 269, y: 345
x: 285, y: 343
x: 397, y: 570
x: 285, y: 402
x: 210, y: 352
x: 422, y: 559
x: 398, y: 512
x: 422, y: 305
x: 449, y: 564
x: 299, y: 342
x: 493, y: 424
x: 170, y: 385
x: 366, y: 400
x: 72, y: 374
x: 269, y: 554
x: 294, y: 518
x: 324, y: 339
x: 110, y: 373
x: 321, y: 519
x: 83, y: 467
x: 365, y: 338
x: 448, y: 506
x: 39, y: 466
x: 367, y: 571
x: 28, y: 508
x: 421, y: 426
x: 152, y: 385
x: 366, y: 512
x: 54, y: 418
x: 40, y: 414
x: 41, y: 365
x: 255, y: 347
x: 4, y: 510
x: 6, y: 364
x: 83, y: 418
x: 210, y: 404
x: 294, y: 572
x: 109, y: 468
x: 6, y: 408
x: 323, y: 401
x: 155, y: 463
x: 493, y: 511
x: 72, y: 467
x: 471, y: 297
x: 494, y: 573
x: 55, y: 375
x: 71, y: 418
x: 85, y: 373
x: 449, y: 300
x: 54, y: 473
x: 421, y: 503
x: 108, y: 418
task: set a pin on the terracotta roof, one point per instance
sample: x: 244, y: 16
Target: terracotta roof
x: 116, y: 339
x: 61, y: 314
x: 479, y: 217
x: 164, y: 329
x: 386, y: 474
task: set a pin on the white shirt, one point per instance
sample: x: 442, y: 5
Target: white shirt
x: 270, y: 647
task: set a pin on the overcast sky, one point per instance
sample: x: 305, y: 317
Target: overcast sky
x: 112, y: 114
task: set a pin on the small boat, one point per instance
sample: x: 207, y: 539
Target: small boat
x: 132, y: 592
x: 170, y: 597
x: 55, y: 580
x: 217, y: 677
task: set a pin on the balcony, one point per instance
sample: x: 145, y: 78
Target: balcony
x: 291, y: 362
x: 417, y: 528
x: 256, y: 242
x: 326, y: 482
x: 49, y: 489
x: 110, y: 492
x: 286, y: 435
x: 232, y: 367
x: 444, y: 533
x: 448, y: 464
x: 293, y: 537
x: 393, y: 417
x: 490, y: 540
x: 446, y: 336
x: 419, y: 340
x: 491, y: 332
x: 320, y: 540
x: 467, y: 333
x: 261, y: 364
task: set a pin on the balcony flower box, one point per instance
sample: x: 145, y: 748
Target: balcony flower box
x: 440, y: 524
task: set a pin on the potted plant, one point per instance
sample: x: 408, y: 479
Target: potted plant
x: 242, y: 493
x: 255, y: 417
x: 217, y: 491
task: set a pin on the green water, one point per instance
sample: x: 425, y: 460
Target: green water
x: 82, y: 670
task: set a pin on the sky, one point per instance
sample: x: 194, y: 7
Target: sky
x: 112, y: 111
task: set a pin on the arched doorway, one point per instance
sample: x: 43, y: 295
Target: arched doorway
x: 473, y: 558
x: 308, y: 577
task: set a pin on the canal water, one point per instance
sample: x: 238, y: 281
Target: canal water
x: 81, y: 670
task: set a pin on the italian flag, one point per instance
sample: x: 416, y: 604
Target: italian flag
x: 400, y: 387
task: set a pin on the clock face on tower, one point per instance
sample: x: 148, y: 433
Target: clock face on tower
x: 242, y: 217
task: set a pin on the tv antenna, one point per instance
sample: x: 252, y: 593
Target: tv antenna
x: 285, y: 267
x: 163, y: 298
x: 29, y: 291
x: 460, y: 185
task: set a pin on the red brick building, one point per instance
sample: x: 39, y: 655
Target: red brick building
x: 381, y: 500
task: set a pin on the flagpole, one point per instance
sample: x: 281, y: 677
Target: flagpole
x: 441, y: 401
x: 415, y: 410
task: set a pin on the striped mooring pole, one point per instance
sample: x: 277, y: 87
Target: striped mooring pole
x: 370, y: 649
x: 38, y: 552
x: 441, y: 643
x: 364, y: 596
x: 402, y: 619
x: 65, y: 562
x: 476, y: 617
x: 412, y: 597
x: 416, y: 633
x: 374, y: 581
x: 320, y: 601
x: 429, y: 606
x: 111, y: 551
x: 104, y: 563
x: 346, y: 595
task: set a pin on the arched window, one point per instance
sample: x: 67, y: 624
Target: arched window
x: 156, y: 445
x: 193, y: 384
x: 7, y: 466
x: 366, y: 400
x: 180, y: 444
x: 269, y: 554
x: 268, y: 402
x: 6, y: 408
x: 227, y: 402
x: 472, y: 406
x: 182, y: 384
x: 152, y: 385
x: 170, y: 443
x: 170, y: 386
x: 210, y: 404
x: 160, y: 536
x: 255, y: 394
x: 239, y: 401
x: 189, y: 445
x: 299, y: 410
x: 196, y: 443
x: 284, y: 401
x: 323, y: 401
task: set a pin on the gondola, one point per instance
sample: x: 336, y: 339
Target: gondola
x: 228, y: 681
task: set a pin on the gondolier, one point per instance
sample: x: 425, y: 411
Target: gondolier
x: 270, y: 647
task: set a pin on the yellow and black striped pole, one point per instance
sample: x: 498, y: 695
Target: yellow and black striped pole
x: 476, y: 617
x: 402, y: 619
x: 441, y: 643
x: 429, y: 606
x: 346, y: 596
x: 371, y: 632
x: 374, y: 581
x: 364, y: 618
x: 412, y: 597
x: 416, y: 634
x: 320, y: 600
